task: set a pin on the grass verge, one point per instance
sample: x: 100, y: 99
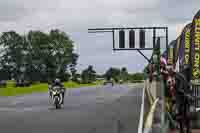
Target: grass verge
x: 11, y: 90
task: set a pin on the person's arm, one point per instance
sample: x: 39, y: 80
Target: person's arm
x: 50, y: 86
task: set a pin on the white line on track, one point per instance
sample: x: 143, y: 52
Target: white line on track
x: 140, y: 126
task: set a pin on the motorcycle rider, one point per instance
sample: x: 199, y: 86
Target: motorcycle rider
x: 57, y: 82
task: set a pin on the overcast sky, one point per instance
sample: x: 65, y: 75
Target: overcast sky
x: 76, y: 16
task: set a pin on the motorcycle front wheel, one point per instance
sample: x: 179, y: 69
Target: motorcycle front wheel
x: 58, y: 106
x: 57, y: 103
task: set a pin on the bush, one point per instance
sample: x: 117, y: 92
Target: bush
x: 3, y: 83
x: 22, y: 83
x: 136, y: 76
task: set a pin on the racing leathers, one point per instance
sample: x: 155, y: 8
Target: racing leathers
x: 61, y: 87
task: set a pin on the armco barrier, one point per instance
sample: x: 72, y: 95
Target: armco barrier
x: 145, y: 107
x: 149, y: 120
x: 152, y: 103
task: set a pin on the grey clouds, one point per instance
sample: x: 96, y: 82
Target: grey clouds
x: 76, y: 16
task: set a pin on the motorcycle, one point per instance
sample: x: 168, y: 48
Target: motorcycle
x: 56, y: 97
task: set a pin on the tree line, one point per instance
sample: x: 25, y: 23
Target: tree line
x: 118, y: 75
x: 123, y: 75
x: 37, y: 56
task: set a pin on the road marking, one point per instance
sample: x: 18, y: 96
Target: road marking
x: 140, y: 126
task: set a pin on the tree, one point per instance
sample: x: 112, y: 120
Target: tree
x: 37, y: 56
x: 63, y: 55
x: 4, y: 74
x: 124, y: 74
x: 12, y: 56
x: 74, y: 75
x: 52, y: 54
x: 112, y: 73
x: 88, y: 75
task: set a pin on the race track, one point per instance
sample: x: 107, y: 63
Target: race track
x: 103, y: 109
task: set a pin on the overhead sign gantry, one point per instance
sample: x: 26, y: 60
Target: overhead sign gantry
x: 141, y: 31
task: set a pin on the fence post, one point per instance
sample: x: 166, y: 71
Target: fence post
x: 196, y: 114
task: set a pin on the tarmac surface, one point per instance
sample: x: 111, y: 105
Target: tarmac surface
x: 102, y: 109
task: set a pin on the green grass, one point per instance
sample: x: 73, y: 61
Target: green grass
x: 76, y: 85
x: 11, y: 90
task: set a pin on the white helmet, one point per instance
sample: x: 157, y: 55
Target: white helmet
x: 57, y: 80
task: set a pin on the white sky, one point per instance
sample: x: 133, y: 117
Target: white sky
x: 76, y: 16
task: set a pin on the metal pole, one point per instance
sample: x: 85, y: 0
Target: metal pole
x: 166, y: 37
x: 98, y: 31
x: 113, y: 34
x: 128, y: 49
x: 127, y: 28
x: 144, y: 56
x: 196, y: 94
x: 154, y: 38
x: 163, y: 120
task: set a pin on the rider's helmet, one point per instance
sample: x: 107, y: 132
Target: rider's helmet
x: 57, y: 81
